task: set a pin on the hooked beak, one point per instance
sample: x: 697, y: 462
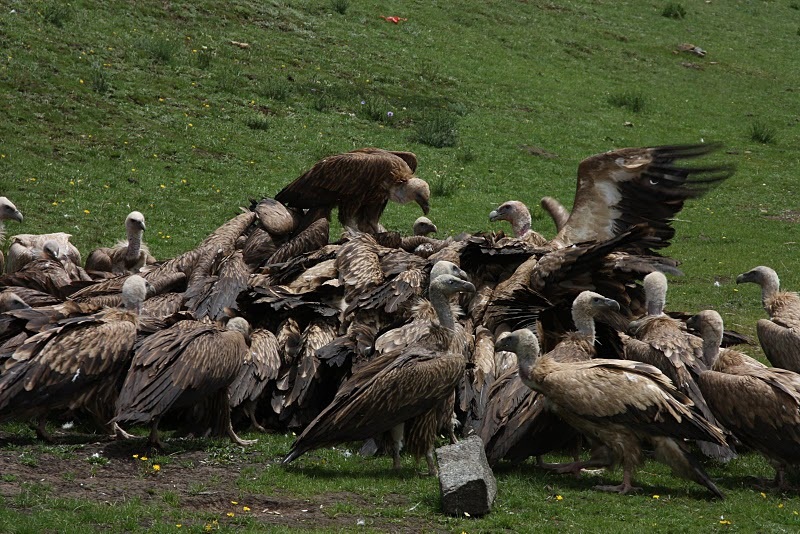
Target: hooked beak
x: 742, y: 278
x: 17, y: 215
x: 612, y: 304
x: 493, y: 215
x: 424, y: 205
x: 468, y: 287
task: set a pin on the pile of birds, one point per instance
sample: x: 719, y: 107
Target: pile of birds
x: 534, y: 344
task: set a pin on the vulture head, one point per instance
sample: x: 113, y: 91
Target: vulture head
x: 134, y: 223
x: 424, y: 226
x: 442, y: 267
x: 134, y: 292
x: 413, y: 190
x: 514, y: 212
x: 11, y: 301
x: 710, y: 326
x: 447, y: 285
x: 240, y: 324
x: 51, y: 251
x: 522, y: 342
x: 655, y: 291
x: 8, y: 211
x: 761, y: 275
x: 589, y: 305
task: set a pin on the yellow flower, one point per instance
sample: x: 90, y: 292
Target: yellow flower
x: 245, y: 508
x: 87, y: 212
x: 234, y: 502
x: 559, y: 498
x: 724, y: 522
x: 764, y: 495
x: 156, y: 467
x: 230, y: 514
x: 55, y: 203
x: 162, y: 186
x: 80, y: 81
x: 178, y: 525
x: 656, y: 496
x: 135, y: 455
x: 780, y: 505
x: 143, y: 458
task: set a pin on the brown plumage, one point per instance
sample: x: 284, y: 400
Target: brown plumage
x: 254, y: 375
x: 360, y: 183
x: 47, y: 272
x: 221, y: 288
x: 760, y: 405
x: 128, y: 256
x: 389, y: 390
x: 275, y: 218
x: 621, y: 404
x: 661, y: 341
x: 780, y: 334
x: 8, y: 212
x: 556, y: 210
x: 74, y: 364
x: 181, y: 366
x: 626, y: 187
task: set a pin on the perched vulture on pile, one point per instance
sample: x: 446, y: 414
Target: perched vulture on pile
x: 126, y: 256
x: 8, y: 212
x: 760, y: 405
x: 25, y: 248
x: 780, y: 334
x: 359, y: 183
x: 519, y: 216
x: 620, y: 404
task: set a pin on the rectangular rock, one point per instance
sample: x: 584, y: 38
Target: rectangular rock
x: 465, y: 478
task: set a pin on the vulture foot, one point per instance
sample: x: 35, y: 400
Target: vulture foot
x: 42, y: 433
x: 622, y: 489
x: 239, y: 441
x: 119, y: 433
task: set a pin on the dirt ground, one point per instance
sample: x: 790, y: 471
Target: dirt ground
x: 192, y: 479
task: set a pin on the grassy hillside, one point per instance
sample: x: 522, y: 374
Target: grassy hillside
x: 185, y: 110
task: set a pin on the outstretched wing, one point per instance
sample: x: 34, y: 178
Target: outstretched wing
x: 619, y: 189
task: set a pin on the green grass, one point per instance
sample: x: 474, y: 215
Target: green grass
x: 110, y: 106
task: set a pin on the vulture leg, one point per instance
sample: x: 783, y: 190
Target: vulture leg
x: 119, y: 433
x: 154, y: 441
x: 226, y: 420
x: 451, y: 429
x: 397, y: 433
x: 432, y: 470
x: 41, y: 431
x: 250, y: 410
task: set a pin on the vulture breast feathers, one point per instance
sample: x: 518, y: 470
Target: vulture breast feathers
x: 360, y: 183
x: 622, y: 188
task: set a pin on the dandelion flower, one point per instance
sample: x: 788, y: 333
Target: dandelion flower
x: 162, y: 186
x: 143, y: 458
x: 245, y: 508
x: 230, y: 514
x: 156, y: 467
x: 559, y: 498
x: 234, y: 502
x: 724, y: 522
x: 656, y: 496
x: 87, y: 212
x: 178, y: 525
x: 135, y: 455
x: 763, y: 495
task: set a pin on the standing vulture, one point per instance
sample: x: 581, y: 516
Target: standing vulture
x: 8, y: 212
x: 74, y: 364
x: 127, y: 256
x: 621, y: 404
x: 760, y: 405
x: 360, y: 183
x: 190, y: 362
x: 389, y: 390
x: 780, y: 334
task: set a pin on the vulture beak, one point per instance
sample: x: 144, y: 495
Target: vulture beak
x: 742, y: 278
x: 424, y: 205
x: 493, y: 216
x: 17, y: 216
x: 612, y: 304
x: 468, y: 287
x: 504, y: 344
x: 142, y: 226
x: 691, y: 323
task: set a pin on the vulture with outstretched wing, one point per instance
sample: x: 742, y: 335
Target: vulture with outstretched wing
x: 359, y: 183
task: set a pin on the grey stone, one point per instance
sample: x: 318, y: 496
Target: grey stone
x: 465, y: 478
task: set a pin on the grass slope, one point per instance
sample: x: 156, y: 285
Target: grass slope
x: 113, y: 106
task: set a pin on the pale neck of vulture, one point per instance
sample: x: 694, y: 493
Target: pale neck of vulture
x: 655, y: 290
x: 134, y: 228
x: 134, y: 293
x: 516, y: 213
x: 765, y: 277
x: 525, y: 345
x: 439, y: 292
x: 711, y: 327
x: 585, y: 307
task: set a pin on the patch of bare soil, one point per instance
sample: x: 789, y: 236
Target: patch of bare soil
x: 791, y: 216
x: 108, y: 472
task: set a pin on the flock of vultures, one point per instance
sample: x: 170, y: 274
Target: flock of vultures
x: 393, y: 341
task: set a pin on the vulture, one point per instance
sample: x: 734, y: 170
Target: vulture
x: 24, y: 248
x: 8, y: 212
x: 780, y: 334
x: 519, y: 216
x: 424, y: 226
x: 49, y: 272
x: 11, y: 301
x: 622, y: 188
x: 255, y: 374
x: 127, y: 256
x: 620, y: 404
x: 73, y: 364
x: 181, y: 366
x: 359, y: 183
x: 390, y: 390
x: 760, y: 405
x: 663, y: 342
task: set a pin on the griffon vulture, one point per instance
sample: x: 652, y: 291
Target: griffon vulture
x: 360, y: 183
x: 620, y: 404
x: 8, y: 212
x: 126, y: 256
x: 760, y: 405
x: 780, y: 334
